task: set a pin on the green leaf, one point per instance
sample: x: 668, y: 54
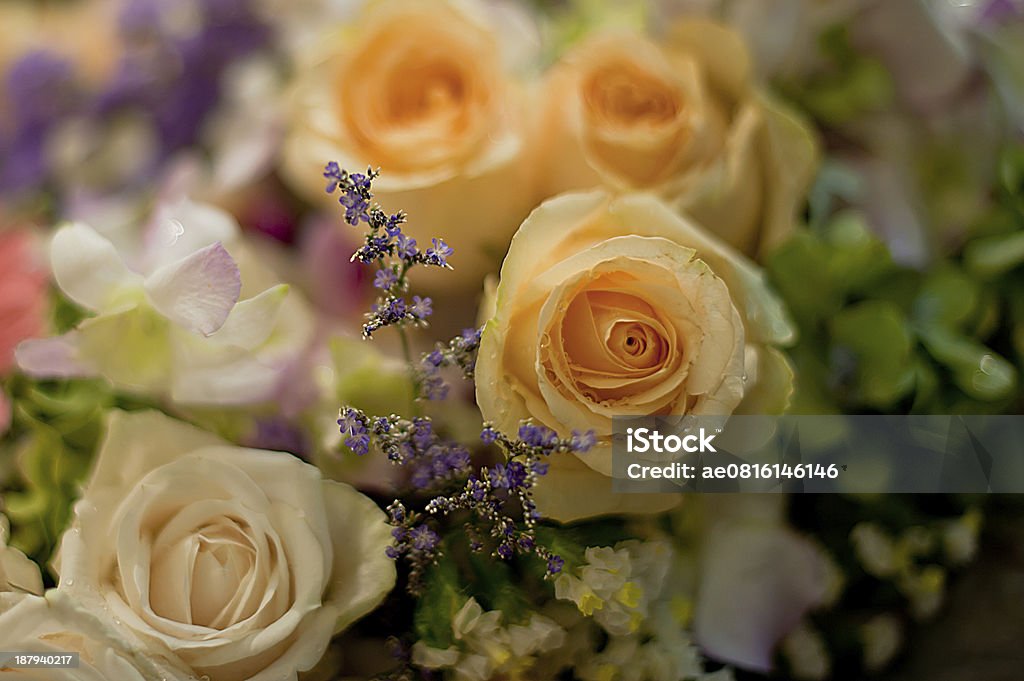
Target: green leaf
x: 948, y: 298
x: 977, y: 370
x: 876, y: 333
x: 441, y: 601
x: 797, y: 271
x: 992, y: 256
x: 858, y: 259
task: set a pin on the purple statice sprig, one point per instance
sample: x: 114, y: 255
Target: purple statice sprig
x: 498, y: 497
x: 460, y: 352
x: 385, y: 245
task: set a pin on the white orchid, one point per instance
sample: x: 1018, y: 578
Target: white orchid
x: 168, y: 319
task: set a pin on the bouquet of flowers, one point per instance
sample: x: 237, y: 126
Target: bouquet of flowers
x: 319, y: 321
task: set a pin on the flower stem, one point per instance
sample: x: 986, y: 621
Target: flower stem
x: 414, y: 405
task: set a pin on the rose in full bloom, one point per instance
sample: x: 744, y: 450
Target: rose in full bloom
x: 17, y: 572
x: 22, y: 294
x: 175, y: 311
x: 242, y: 562
x: 618, y: 306
x: 435, y: 110
x: 683, y: 119
x: 57, y: 625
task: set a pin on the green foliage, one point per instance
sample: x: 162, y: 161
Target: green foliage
x: 57, y: 427
x: 850, y: 85
x: 437, y: 607
x: 876, y: 336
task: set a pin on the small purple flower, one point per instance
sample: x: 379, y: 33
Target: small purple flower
x: 351, y: 422
x: 394, y: 311
x: 421, y: 308
x: 488, y: 435
x: 555, y: 565
x: 422, y: 433
x: 582, y: 442
x: 405, y: 246
x: 505, y: 550
x: 333, y: 174
x: 499, y: 476
x: 434, y: 387
x: 356, y: 207
x: 438, y: 253
x: 424, y: 538
x: 392, y: 553
x: 434, y: 358
x: 385, y: 279
x: 360, y: 444
x: 537, y: 436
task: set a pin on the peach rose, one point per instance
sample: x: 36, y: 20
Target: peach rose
x: 618, y: 306
x: 419, y: 88
x: 683, y: 119
x: 242, y: 562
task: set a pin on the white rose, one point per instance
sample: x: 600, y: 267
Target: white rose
x: 17, y: 572
x: 57, y: 625
x: 242, y: 562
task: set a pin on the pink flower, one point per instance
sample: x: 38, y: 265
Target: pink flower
x: 22, y: 294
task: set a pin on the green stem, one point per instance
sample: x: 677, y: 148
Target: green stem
x: 414, y: 405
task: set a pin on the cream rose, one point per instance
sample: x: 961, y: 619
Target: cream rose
x: 244, y: 563
x: 419, y: 88
x: 57, y: 624
x: 683, y: 119
x: 618, y: 306
x: 17, y: 572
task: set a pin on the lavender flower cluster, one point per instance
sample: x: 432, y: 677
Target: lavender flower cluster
x: 172, y: 82
x: 394, y: 251
x: 459, y: 352
x: 407, y: 442
x: 499, y: 498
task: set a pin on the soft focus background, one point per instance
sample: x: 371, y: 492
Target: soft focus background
x: 905, y: 277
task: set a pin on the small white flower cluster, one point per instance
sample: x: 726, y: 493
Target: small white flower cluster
x: 625, y: 591
x: 485, y: 647
x: 897, y: 559
x: 616, y: 585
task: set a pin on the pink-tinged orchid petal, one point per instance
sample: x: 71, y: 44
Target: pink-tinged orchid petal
x: 197, y: 292
x: 757, y: 582
x: 87, y: 267
x: 56, y: 357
